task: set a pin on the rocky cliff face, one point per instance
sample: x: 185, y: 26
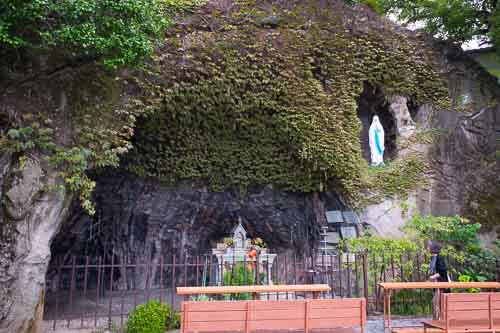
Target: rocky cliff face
x: 143, y: 217
x: 34, y: 201
x: 31, y: 218
x: 464, y: 165
x: 465, y: 157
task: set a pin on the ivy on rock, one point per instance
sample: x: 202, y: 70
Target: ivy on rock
x: 70, y: 51
x: 115, y: 32
x: 253, y: 105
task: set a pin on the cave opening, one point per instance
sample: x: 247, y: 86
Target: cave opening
x: 371, y: 102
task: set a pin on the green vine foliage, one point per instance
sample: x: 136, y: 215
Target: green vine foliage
x: 116, y: 32
x: 76, y: 39
x: 395, y: 179
x: 102, y: 129
x: 247, y: 104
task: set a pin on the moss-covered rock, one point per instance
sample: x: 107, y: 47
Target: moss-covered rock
x: 240, y: 102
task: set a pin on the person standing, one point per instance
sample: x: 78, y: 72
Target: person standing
x: 438, y: 272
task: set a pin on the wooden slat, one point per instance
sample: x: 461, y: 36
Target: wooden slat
x: 277, y: 305
x: 471, y: 312
x: 279, y: 314
x: 253, y: 289
x: 469, y: 315
x: 466, y: 297
x: 464, y: 313
x: 249, y: 316
x: 336, y: 313
x: 439, y: 285
x: 336, y: 303
x: 470, y: 323
x: 277, y: 324
x: 221, y: 326
x: 306, y: 316
x: 184, y: 312
x: 216, y: 316
x: 363, y: 312
x: 333, y: 323
x: 216, y: 306
x: 464, y: 306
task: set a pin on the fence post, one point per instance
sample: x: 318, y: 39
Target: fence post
x: 72, y: 288
x: 365, y: 278
x: 257, y: 269
x: 341, y: 291
x: 173, y: 291
x: 110, y: 309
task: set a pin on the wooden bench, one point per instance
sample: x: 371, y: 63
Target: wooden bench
x: 389, y: 287
x: 468, y: 313
x: 255, y: 290
x: 271, y: 315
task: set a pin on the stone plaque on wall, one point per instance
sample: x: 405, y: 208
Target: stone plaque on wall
x: 334, y: 216
x: 348, y: 232
x: 351, y: 217
x: 332, y: 238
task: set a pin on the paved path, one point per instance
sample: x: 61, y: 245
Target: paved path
x: 374, y: 325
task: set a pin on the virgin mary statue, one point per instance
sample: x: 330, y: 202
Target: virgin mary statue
x: 376, y: 136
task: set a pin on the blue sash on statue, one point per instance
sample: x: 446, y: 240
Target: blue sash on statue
x: 377, y: 141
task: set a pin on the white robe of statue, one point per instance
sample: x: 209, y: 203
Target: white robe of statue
x: 376, y: 136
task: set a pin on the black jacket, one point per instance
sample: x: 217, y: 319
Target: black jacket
x: 438, y: 265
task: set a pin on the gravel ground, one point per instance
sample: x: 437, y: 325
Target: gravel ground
x: 374, y: 325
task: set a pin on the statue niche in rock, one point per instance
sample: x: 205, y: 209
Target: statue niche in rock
x: 377, y: 146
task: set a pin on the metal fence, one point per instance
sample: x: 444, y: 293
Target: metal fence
x: 101, y: 292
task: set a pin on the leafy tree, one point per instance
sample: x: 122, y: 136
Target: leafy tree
x: 456, y: 233
x: 456, y: 20
x: 459, y: 237
x: 115, y: 32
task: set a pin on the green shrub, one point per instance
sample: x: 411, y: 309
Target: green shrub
x: 152, y: 317
x: 461, y: 245
x: 469, y: 278
x: 412, y: 302
x: 239, y: 276
x: 457, y: 234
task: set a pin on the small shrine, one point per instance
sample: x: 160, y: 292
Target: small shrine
x: 237, y: 249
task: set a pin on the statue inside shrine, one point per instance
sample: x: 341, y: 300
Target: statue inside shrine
x: 376, y: 137
x: 239, y: 240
